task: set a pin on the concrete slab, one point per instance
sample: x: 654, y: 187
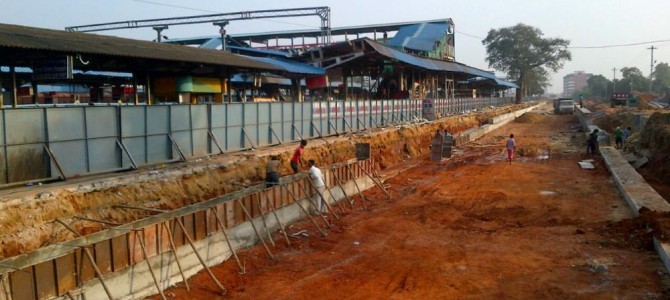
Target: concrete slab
x: 641, y: 162
x: 632, y: 186
x: 630, y: 158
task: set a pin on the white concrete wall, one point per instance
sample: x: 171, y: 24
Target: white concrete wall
x: 135, y: 282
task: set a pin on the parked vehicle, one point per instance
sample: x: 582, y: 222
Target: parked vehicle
x: 564, y: 106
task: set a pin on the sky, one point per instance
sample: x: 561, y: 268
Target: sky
x: 585, y: 23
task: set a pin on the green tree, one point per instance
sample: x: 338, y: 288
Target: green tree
x: 661, y: 78
x: 520, y: 50
x: 632, y: 80
x: 537, y: 80
x: 599, y: 86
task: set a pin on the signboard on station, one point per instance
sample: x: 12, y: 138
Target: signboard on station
x: 52, y: 68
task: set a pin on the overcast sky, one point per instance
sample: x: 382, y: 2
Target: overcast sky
x: 584, y: 22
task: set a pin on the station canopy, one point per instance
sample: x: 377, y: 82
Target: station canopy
x: 365, y: 54
x: 20, y: 46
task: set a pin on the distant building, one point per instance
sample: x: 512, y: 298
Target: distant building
x: 574, y: 82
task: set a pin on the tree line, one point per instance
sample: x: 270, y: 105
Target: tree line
x: 528, y: 57
x: 631, y: 80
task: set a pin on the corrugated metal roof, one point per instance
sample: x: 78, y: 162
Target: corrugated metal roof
x: 21, y: 37
x: 291, y: 66
x: 428, y: 63
x: 420, y: 37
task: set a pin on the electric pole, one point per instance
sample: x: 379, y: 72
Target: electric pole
x: 614, y: 81
x: 651, y: 69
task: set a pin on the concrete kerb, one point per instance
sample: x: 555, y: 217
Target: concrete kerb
x: 135, y: 282
x: 633, y: 188
x: 493, y: 124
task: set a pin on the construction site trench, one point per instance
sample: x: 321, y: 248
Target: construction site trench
x: 469, y: 227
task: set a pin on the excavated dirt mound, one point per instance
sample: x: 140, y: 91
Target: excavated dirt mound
x: 530, y: 117
x: 26, y: 222
x: 656, y: 137
x: 471, y: 227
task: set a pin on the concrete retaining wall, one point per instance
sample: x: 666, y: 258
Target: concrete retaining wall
x: 632, y: 186
x: 493, y: 124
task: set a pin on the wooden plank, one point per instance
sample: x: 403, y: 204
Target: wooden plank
x: 45, y: 275
x: 22, y: 284
x: 163, y: 237
x: 65, y: 274
x: 136, y: 254
x: 120, y: 254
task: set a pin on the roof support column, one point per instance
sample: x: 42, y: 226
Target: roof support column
x: 12, y: 70
x: 2, y: 96
x: 136, y: 94
x: 346, y: 87
x: 229, y: 88
x: 147, y: 88
x: 33, y: 85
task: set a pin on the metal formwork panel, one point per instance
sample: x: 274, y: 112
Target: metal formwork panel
x: 287, y: 122
x: 304, y: 110
x: 71, y: 156
x: 276, y: 115
x: 32, y: 125
x: 180, y: 127
x: 103, y: 256
x: 157, y: 120
x: 133, y: 121
x: 218, y: 118
x: 26, y: 162
x: 250, y: 123
x: 46, y: 280
x: 101, y: 122
x: 104, y: 154
x: 234, y: 138
x: 65, y: 273
x: 66, y: 124
x: 320, y: 114
x: 137, y: 147
x: 22, y: 284
x: 120, y: 254
x: 158, y: 149
x: 263, y: 124
x: 200, y: 126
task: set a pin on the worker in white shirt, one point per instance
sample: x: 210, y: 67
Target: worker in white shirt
x: 320, y: 183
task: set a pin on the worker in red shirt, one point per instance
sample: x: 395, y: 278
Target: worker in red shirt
x: 295, y: 160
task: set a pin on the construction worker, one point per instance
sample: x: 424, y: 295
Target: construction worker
x: 618, y: 137
x: 592, y: 142
x: 272, y: 172
x: 511, y: 148
x: 295, y: 159
x: 320, y: 183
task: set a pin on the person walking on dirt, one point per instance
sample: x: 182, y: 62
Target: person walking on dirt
x: 618, y: 137
x: 272, y: 172
x: 319, y: 183
x: 295, y: 159
x: 592, y: 142
x: 511, y: 148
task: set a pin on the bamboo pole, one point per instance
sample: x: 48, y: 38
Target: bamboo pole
x: 251, y: 220
x: 146, y: 259
x: 323, y: 233
x: 173, y: 248
x: 88, y: 254
x: 274, y: 212
x: 230, y: 245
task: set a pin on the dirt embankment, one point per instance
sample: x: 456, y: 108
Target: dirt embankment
x: 656, y: 137
x: 28, y: 223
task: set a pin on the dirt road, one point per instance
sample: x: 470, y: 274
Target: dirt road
x: 473, y: 227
